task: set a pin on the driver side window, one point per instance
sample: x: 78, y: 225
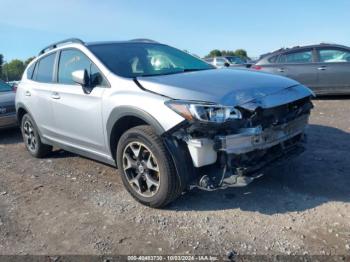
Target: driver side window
x: 72, y: 60
x: 334, y: 56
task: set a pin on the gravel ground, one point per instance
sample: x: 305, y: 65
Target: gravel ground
x: 66, y: 204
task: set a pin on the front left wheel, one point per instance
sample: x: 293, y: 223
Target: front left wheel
x: 147, y: 169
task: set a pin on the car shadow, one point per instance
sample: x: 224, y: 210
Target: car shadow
x: 10, y: 136
x: 320, y: 175
x: 60, y: 153
x: 14, y: 136
x: 332, y: 97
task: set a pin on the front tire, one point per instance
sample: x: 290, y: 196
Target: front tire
x: 146, y: 167
x: 32, y: 138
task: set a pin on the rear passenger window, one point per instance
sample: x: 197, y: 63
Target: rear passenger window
x: 44, y: 70
x: 297, y: 57
x: 273, y: 59
x: 30, y: 71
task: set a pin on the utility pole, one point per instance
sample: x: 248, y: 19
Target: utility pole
x: 6, y: 73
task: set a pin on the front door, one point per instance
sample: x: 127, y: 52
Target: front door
x: 334, y: 70
x: 78, y: 114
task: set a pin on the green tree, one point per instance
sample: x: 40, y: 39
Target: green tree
x: 241, y: 53
x: 26, y: 62
x: 214, y: 53
x: 228, y: 53
x: 13, y: 70
x: 1, y: 65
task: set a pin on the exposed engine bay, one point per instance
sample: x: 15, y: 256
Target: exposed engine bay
x: 236, y: 152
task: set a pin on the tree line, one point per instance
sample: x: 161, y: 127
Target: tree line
x: 239, y: 52
x: 13, y: 70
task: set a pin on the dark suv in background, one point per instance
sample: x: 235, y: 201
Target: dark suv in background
x: 325, y: 68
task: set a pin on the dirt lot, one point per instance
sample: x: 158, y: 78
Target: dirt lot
x: 66, y: 204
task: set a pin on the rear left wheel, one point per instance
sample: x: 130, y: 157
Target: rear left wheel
x: 32, y: 138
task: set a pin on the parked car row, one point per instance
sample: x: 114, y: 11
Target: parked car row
x: 324, y: 68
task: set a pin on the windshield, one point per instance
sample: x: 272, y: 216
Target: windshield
x: 235, y: 60
x: 4, y: 87
x: 146, y: 59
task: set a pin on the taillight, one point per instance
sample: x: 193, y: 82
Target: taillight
x: 256, y: 67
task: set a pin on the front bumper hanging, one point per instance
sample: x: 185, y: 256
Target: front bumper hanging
x: 248, y: 154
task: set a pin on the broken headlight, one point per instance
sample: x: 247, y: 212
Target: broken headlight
x: 203, y: 111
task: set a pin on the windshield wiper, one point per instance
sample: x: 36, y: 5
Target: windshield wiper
x: 176, y: 72
x: 195, y: 69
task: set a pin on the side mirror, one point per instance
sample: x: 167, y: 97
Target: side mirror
x: 81, y: 77
x: 226, y: 64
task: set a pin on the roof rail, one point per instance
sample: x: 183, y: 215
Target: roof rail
x: 54, y: 45
x: 144, y: 40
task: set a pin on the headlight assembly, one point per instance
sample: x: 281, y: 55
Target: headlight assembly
x: 203, y: 111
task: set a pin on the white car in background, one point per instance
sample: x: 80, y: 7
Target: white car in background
x: 227, y: 61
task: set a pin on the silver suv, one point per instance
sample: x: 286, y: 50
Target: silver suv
x: 168, y: 121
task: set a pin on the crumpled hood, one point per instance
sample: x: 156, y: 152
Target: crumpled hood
x: 231, y: 87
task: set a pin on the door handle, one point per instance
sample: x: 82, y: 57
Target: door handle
x: 27, y: 93
x: 281, y: 70
x: 55, y: 95
x: 322, y: 68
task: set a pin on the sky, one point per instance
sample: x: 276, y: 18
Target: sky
x: 258, y: 26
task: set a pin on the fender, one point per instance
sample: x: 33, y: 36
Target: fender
x: 19, y: 106
x: 124, y: 111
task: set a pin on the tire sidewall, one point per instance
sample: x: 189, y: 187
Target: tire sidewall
x: 163, y: 164
x: 25, y: 118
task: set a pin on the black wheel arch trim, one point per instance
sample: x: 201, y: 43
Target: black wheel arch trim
x: 124, y: 111
x: 22, y: 106
x: 130, y: 111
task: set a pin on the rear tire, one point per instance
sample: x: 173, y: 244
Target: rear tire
x: 32, y: 138
x: 146, y: 167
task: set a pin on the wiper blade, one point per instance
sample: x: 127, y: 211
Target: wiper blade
x: 195, y: 69
x: 176, y: 72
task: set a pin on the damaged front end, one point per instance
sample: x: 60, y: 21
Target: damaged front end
x: 232, y: 146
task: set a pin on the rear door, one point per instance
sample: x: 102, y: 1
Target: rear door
x: 78, y: 115
x: 299, y: 65
x: 37, y: 93
x: 333, y: 70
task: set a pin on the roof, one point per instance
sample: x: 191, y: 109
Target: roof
x: 302, y: 47
x: 79, y: 41
x: 306, y: 46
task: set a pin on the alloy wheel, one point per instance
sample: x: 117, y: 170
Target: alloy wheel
x: 141, y: 169
x: 29, y: 136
